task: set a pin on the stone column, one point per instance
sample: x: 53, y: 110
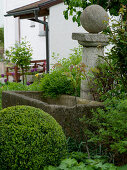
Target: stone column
x: 93, y: 45
x: 94, y: 19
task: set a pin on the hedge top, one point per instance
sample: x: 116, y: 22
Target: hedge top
x: 30, y: 138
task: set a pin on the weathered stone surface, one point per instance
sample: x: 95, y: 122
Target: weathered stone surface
x: 89, y: 58
x: 93, y: 46
x: 94, y: 19
x: 67, y: 116
x: 91, y: 40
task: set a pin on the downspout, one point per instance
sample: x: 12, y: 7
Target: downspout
x: 47, y: 38
x: 19, y: 27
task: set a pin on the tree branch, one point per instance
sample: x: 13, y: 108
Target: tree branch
x: 108, y: 5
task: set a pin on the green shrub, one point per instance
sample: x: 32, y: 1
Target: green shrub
x: 56, y: 83
x: 72, y: 68
x: 20, y: 55
x: 13, y: 86
x: 29, y: 139
x: 89, y: 164
x: 35, y: 86
x: 118, y: 53
x: 65, y: 76
x: 64, y: 64
x: 104, y: 81
x: 108, y: 128
x: 2, y: 37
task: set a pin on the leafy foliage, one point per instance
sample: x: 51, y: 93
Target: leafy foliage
x: 118, y: 54
x: 56, y: 83
x: 74, y: 58
x: 12, y: 86
x: 2, y: 37
x: 30, y: 138
x: 108, y: 128
x: 20, y: 55
x: 123, y: 167
x: 65, y: 77
x: 105, y: 82
x: 111, y: 77
x: 75, y: 7
x: 73, y: 145
x: 72, y: 164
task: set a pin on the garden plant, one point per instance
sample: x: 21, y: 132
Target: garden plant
x: 30, y: 139
x: 1, y: 37
x: 110, y: 79
x: 13, y: 86
x: 20, y: 55
x: 1, y: 42
x: 105, y: 130
x: 65, y: 77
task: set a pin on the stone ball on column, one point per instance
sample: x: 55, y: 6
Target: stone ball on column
x: 94, y: 19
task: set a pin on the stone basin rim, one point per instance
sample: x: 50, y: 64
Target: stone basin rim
x: 80, y: 101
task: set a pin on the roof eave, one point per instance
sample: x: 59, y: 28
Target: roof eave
x: 21, y: 12
x: 26, y: 13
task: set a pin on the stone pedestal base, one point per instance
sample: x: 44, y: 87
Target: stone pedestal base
x: 93, y: 46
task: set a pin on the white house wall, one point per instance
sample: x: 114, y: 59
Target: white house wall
x: 60, y: 32
x: 1, y: 13
x: 31, y: 33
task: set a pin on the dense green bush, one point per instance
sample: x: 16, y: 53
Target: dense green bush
x: 56, y: 83
x: 65, y: 76
x: 72, y: 68
x: 30, y: 139
x: 105, y: 82
x: 118, y: 54
x: 108, y: 128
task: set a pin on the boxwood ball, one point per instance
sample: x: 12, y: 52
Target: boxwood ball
x: 94, y: 19
x: 29, y: 139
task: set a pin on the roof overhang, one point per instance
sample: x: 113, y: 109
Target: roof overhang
x: 27, y: 12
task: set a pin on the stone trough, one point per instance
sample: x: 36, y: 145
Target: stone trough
x: 67, y: 110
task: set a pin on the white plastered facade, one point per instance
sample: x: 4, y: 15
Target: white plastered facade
x: 28, y: 30
x: 1, y: 13
x: 60, y: 31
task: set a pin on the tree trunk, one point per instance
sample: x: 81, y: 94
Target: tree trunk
x: 23, y: 75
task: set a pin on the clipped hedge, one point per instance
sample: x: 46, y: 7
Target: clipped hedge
x: 56, y: 83
x: 29, y: 139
